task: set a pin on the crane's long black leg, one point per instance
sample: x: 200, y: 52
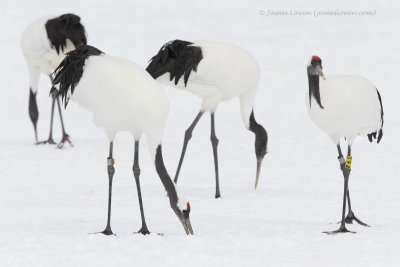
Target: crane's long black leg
x: 136, y: 173
x: 214, y: 142
x: 346, y: 174
x: 111, y: 171
x: 188, y: 135
x: 65, y: 136
x: 33, y: 111
x: 50, y: 139
x: 350, y: 215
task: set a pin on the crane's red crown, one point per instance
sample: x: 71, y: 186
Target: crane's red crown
x: 316, y: 58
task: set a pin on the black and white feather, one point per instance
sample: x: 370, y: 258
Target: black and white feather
x: 178, y: 58
x: 69, y: 72
x: 216, y: 72
x: 122, y: 97
x: 44, y: 44
x: 344, y: 105
x: 64, y: 27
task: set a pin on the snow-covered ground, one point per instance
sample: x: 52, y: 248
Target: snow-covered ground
x: 50, y: 199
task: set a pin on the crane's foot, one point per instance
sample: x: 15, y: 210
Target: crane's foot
x: 351, y: 217
x: 144, y: 231
x: 341, y: 230
x: 217, y: 192
x: 65, y: 139
x: 106, y: 231
x: 49, y: 141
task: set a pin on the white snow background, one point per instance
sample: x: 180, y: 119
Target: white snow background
x: 50, y: 199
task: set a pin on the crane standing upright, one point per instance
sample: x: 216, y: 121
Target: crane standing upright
x: 344, y: 106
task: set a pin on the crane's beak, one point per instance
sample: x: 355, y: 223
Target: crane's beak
x: 259, y: 162
x: 187, y: 226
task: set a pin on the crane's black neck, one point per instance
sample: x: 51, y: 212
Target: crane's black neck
x: 33, y: 108
x: 65, y: 27
x: 261, y: 137
x: 313, y: 89
x: 177, y: 57
x: 165, y: 178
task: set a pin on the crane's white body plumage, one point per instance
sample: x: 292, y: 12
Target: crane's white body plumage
x: 123, y: 97
x: 216, y: 72
x: 344, y: 106
x: 39, y: 55
x: 351, y: 107
x: 224, y: 72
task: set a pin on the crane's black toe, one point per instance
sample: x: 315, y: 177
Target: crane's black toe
x: 341, y: 230
x: 351, y: 217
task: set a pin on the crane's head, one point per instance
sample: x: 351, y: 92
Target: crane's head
x: 182, y: 210
x: 314, y: 68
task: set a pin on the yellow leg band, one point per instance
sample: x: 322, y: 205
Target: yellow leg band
x: 348, y: 162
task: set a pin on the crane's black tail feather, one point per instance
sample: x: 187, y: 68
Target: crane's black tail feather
x: 70, y: 70
x: 372, y: 136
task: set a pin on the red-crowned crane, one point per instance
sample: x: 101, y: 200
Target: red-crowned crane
x: 122, y: 97
x: 216, y: 72
x: 344, y: 106
x: 44, y: 44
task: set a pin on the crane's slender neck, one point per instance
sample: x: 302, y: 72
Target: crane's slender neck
x: 313, y: 89
x: 33, y: 110
x: 261, y: 137
x: 165, y: 178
